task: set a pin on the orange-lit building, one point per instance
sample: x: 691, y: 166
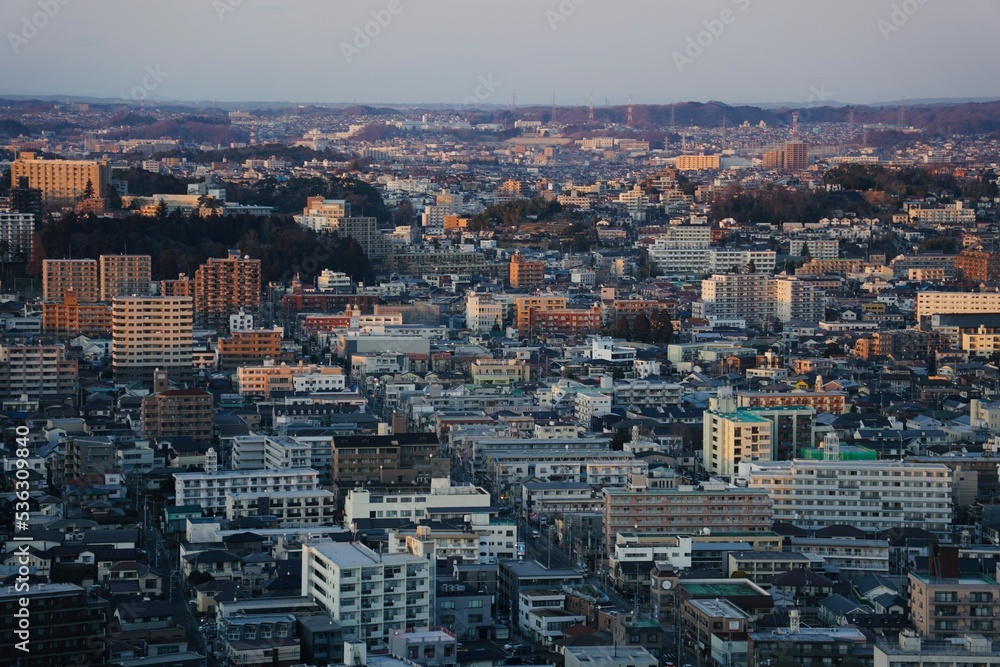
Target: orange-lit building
x: 525, y: 274
x: 979, y: 265
x: 821, y: 401
x: 124, y: 275
x: 79, y: 275
x: 181, y: 286
x: 243, y: 348
x: 222, y: 286
x: 62, y: 182
x: 565, y: 321
x: 523, y: 305
x: 301, y: 300
x: 70, y: 317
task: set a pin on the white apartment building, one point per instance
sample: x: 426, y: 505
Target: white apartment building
x: 799, y: 300
x: 749, y: 296
x: 608, y: 468
x: 209, y: 489
x: 482, y: 311
x: 16, y: 231
x: 674, y: 549
x: 684, y: 259
x: 444, y: 501
x: 949, y: 214
x: 368, y: 594
x: 647, y: 393
x: 871, y: 495
x: 590, y: 404
x: 445, y: 203
x: 330, y: 281
x: 956, y: 303
x: 308, y: 507
x: 818, y: 248
x: 541, y: 615
x: 481, y: 543
x: 731, y: 435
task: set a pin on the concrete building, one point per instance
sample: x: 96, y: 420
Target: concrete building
x: 208, y: 490
x: 782, y: 647
x: 607, y: 656
x: 795, y: 157
x: 306, y: 507
x: 685, y: 510
x: 482, y: 312
x: 250, y: 347
x: 731, y: 435
x: 970, y: 649
x: 150, y: 333
x: 62, y: 182
x: 956, y: 303
x: 69, y: 317
x: 223, y: 287
x: 871, y: 495
x: 370, y: 595
x: 67, y: 625
x: 525, y: 274
x: 302, y: 377
x: 178, y: 412
x: 426, y: 647
x: 947, y: 603
x: 524, y: 306
x: 125, y: 275
x: 799, y: 300
x: 697, y: 162
x: 16, y: 236
x: 40, y: 372
x: 78, y: 275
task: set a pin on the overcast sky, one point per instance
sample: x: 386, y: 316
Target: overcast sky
x: 455, y: 51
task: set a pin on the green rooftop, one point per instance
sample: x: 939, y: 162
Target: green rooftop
x: 720, y: 589
x: 847, y: 453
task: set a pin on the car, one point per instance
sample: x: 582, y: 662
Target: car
x: 512, y: 646
x: 536, y: 534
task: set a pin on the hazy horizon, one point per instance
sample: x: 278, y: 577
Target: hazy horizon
x: 407, y: 52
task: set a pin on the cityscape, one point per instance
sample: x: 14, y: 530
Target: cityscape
x: 565, y: 333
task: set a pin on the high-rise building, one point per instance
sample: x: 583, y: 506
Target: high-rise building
x: 16, y: 232
x: 325, y: 216
x: 39, y: 372
x: 731, y: 435
x: 799, y: 300
x: 978, y: 265
x: 796, y: 156
x: 223, y: 286
x: 956, y: 303
x: 369, y: 594
x: 62, y: 182
x: 178, y: 412
x: 525, y: 274
x: 69, y: 317
x: 124, y: 275
x: 26, y: 199
x: 947, y: 602
x: 67, y: 626
x: 79, y: 275
x: 150, y: 333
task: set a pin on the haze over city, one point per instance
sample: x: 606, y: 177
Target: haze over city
x: 854, y: 51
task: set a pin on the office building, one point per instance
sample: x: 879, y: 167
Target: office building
x: 78, y: 275
x: 62, y: 182
x: 370, y: 595
x: 178, y: 413
x: 16, y: 236
x: 125, y: 275
x: 223, y: 287
x: 870, y: 495
x: 150, y: 333
x: 525, y: 274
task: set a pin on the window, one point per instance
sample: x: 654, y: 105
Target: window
x: 475, y: 604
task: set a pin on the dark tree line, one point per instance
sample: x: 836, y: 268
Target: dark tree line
x: 515, y: 212
x: 656, y: 328
x: 180, y: 243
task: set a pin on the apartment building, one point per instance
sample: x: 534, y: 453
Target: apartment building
x: 871, y: 495
x: 978, y: 265
x: 249, y: 348
x: 482, y: 312
x: 947, y: 214
x: 942, y: 607
x: 263, y: 380
x: 125, y: 275
x: 67, y: 625
x: 696, y: 258
x: 78, y: 275
x: 327, y: 216
x: 524, y: 306
x: 731, y: 435
x: 370, y: 595
x: 749, y: 297
x: 525, y: 274
x: 40, y: 372
x: 443, y: 501
x: 848, y: 647
x: 953, y: 652
x: 488, y: 372
x: 16, y: 236
x: 400, y: 458
x: 647, y: 393
x: 795, y: 157
x: 149, y: 334
x: 833, y: 402
x: 956, y: 303
x: 178, y: 413
x: 208, y: 490
x: 697, y: 162
x: 306, y: 507
x: 799, y: 300
x: 542, y: 617
x: 565, y: 321
x: 62, y: 182
x: 685, y: 510
x: 69, y: 317
x: 224, y: 286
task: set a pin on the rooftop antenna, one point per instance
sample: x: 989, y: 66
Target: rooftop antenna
x: 795, y: 126
x: 628, y: 119
x: 590, y: 116
x: 253, y: 133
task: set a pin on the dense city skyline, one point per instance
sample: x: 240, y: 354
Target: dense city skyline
x: 736, y: 51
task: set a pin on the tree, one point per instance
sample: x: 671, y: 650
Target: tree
x: 198, y: 577
x: 641, y: 328
x: 88, y: 191
x: 622, y: 329
x: 752, y: 267
x: 661, y: 327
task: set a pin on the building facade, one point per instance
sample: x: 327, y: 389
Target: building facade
x: 149, y: 334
